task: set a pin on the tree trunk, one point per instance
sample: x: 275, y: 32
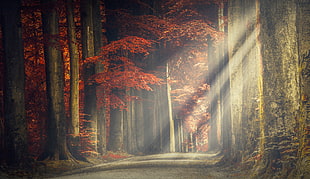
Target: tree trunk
x: 213, y: 81
x: 56, y: 146
x: 236, y: 55
x: 148, y: 122
x: 221, y: 51
x: 280, y: 87
x: 14, y: 85
x: 130, y: 122
x: 90, y: 102
x: 99, y: 41
x: 225, y: 98
x: 245, y: 75
x: 102, y: 128
x: 170, y: 118
x: 116, y: 138
x: 303, y: 18
x: 251, y: 75
x: 265, y: 84
x: 160, y: 122
x: 139, y: 123
x: 74, y: 126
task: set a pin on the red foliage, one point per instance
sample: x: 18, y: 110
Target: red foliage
x: 193, y: 23
x: 182, y: 24
x: 120, y: 70
x: 35, y: 89
x: 182, y: 27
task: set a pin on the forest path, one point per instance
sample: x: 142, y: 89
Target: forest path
x: 167, y: 166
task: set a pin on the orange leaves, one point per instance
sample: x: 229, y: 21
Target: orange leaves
x: 131, y: 77
x: 194, y: 30
x: 92, y: 59
x: 129, y: 44
x: 119, y: 55
x: 120, y: 70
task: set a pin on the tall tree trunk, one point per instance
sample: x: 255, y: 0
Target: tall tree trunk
x: 281, y: 85
x: 90, y: 102
x: 14, y: 85
x: 303, y: 18
x: 56, y: 146
x: 244, y: 69
x: 139, y: 130
x: 213, y: 81
x: 130, y: 134
x: 236, y: 55
x: 116, y: 138
x: 100, y: 40
x: 221, y: 75
x: 148, y: 119
x: 264, y: 50
x: 250, y: 73
x: 225, y: 99
x: 170, y: 118
x: 74, y: 126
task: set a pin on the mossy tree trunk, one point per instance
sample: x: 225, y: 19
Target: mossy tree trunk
x: 303, y: 29
x: 280, y: 90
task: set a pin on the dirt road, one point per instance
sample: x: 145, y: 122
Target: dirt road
x: 160, y: 166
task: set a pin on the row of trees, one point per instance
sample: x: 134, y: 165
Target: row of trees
x: 268, y: 49
x: 83, y: 77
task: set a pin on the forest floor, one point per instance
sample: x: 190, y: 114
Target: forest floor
x: 169, y: 165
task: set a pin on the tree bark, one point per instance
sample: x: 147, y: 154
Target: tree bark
x: 74, y: 126
x: 99, y: 41
x: 170, y: 118
x: 14, y: 85
x: 280, y: 87
x: 303, y: 18
x: 265, y: 84
x: 88, y: 50
x: 56, y: 146
x: 245, y: 75
x: 139, y: 123
x: 148, y: 122
x: 226, y: 128
x: 213, y: 81
x: 130, y: 121
x: 251, y: 75
x: 116, y: 138
x: 236, y: 56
